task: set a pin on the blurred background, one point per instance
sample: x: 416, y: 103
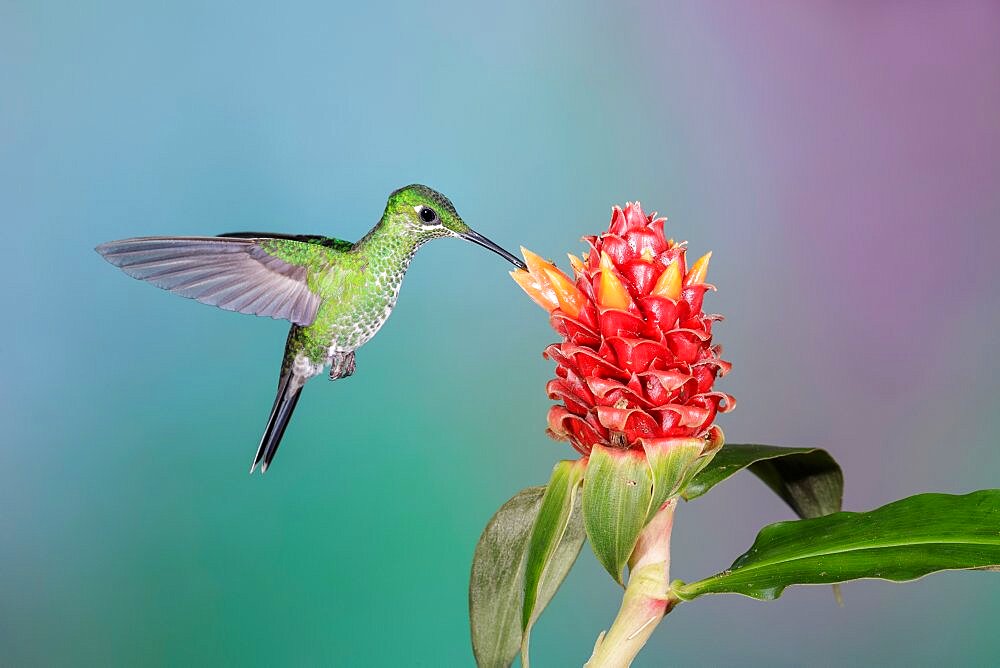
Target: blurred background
x: 841, y: 159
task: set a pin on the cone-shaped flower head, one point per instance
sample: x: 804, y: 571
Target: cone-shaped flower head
x: 636, y: 364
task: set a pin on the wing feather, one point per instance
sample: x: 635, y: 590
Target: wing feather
x: 233, y: 273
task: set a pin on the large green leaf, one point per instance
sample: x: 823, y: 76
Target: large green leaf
x: 556, y: 539
x: 617, y: 493
x: 808, y: 479
x: 902, y: 541
x: 496, y: 586
x: 497, y: 581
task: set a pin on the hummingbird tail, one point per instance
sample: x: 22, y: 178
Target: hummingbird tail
x: 289, y: 389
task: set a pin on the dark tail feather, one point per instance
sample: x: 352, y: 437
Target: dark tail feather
x: 281, y: 412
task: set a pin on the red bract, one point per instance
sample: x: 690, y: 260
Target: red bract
x: 637, y: 363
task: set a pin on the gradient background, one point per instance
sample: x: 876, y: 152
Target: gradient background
x: 841, y: 159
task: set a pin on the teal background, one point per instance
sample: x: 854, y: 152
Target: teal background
x: 841, y: 159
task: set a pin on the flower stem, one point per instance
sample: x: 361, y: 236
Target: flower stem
x: 647, y: 597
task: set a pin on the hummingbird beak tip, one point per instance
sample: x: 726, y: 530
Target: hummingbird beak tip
x: 480, y: 240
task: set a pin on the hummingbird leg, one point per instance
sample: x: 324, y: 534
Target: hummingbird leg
x: 341, y: 365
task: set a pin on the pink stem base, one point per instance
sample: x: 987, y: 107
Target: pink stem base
x: 647, y: 597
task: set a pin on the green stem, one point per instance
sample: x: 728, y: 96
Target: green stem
x: 647, y: 597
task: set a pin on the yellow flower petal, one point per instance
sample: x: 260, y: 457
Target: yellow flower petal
x: 570, y: 299
x: 612, y: 293
x: 669, y: 283
x: 697, y: 274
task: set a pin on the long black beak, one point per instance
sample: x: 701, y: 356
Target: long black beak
x: 477, y: 238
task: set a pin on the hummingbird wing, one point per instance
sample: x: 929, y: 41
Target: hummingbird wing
x: 233, y: 273
x: 316, y: 239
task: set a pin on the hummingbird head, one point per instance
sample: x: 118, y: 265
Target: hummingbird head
x: 427, y: 214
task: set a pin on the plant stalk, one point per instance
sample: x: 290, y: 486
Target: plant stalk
x: 647, y: 597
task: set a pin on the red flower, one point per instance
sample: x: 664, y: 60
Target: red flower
x: 636, y: 364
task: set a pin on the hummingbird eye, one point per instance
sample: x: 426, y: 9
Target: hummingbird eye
x: 428, y: 215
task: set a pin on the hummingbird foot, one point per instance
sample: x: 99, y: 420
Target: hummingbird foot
x: 341, y: 365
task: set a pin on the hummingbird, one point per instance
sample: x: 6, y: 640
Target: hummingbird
x: 336, y: 294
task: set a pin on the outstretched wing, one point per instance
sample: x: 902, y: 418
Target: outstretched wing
x: 236, y: 274
x: 315, y: 239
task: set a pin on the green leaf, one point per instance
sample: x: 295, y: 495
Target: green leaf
x: 617, y: 493
x: 808, y: 479
x: 902, y: 541
x: 669, y: 460
x: 497, y: 584
x: 549, y: 528
x: 556, y: 539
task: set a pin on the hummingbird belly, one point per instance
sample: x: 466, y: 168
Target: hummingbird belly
x: 350, y: 319
x: 353, y: 333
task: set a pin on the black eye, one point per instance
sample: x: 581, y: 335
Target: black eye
x: 428, y: 215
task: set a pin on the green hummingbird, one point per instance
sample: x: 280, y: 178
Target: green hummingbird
x: 337, y: 294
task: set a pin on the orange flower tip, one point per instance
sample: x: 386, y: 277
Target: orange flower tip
x: 534, y: 261
x: 612, y: 293
x: 647, y: 254
x: 576, y: 263
x: 669, y: 283
x: 536, y: 267
x: 699, y: 271
x: 570, y: 298
x: 541, y: 294
x: 606, y: 262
